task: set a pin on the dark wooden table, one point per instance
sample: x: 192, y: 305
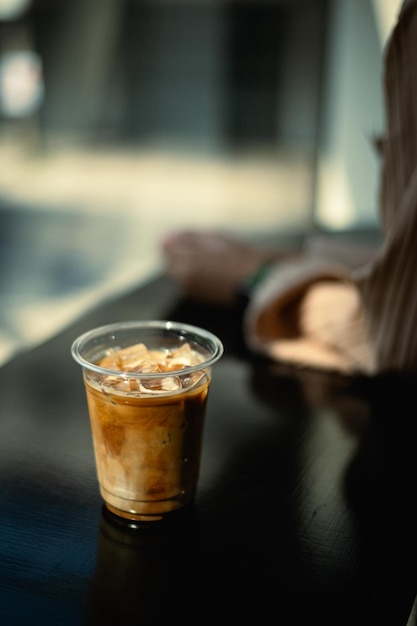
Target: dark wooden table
x: 305, y: 511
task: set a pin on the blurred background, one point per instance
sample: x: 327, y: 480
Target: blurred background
x: 121, y: 120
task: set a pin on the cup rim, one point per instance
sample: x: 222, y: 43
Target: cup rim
x: 155, y: 324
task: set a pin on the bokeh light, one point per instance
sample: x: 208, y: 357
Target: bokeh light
x: 12, y: 9
x: 21, y: 83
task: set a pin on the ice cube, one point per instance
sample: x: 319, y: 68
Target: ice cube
x: 169, y: 383
x: 183, y: 356
x: 192, y: 378
x: 137, y: 358
x: 111, y: 361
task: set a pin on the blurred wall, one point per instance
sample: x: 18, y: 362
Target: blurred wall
x: 205, y: 74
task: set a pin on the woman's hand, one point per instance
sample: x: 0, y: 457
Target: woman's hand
x: 210, y: 266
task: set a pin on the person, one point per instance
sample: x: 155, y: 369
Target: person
x: 312, y: 312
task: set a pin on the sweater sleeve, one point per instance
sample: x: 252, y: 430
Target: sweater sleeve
x: 309, y: 313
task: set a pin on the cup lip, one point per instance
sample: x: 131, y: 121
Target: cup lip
x: 155, y: 324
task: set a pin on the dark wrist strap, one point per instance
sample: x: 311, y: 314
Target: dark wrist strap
x: 245, y: 289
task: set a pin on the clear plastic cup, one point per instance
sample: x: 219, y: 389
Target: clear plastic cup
x: 147, y: 384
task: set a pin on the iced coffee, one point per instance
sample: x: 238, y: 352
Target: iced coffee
x: 147, y: 385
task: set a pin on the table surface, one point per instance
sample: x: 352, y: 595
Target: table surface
x: 305, y: 507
